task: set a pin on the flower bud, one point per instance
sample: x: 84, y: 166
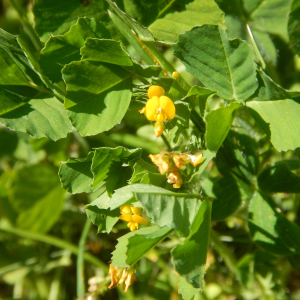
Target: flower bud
x: 175, y: 75
x: 159, y: 128
x: 196, y: 159
x: 174, y: 177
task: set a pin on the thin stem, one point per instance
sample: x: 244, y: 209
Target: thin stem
x: 165, y: 9
x: 54, y: 241
x: 80, y: 259
x: 141, y: 78
x: 27, y: 26
x: 163, y: 136
x: 106, y: 140
x: 223, y: 251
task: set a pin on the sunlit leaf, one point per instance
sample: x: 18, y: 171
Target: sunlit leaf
x: 198, y: 12
x: 222, y: 65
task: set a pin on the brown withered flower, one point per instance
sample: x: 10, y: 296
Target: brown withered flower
x: 121, y: 275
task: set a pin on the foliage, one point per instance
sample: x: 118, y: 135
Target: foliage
x: 222, y: 208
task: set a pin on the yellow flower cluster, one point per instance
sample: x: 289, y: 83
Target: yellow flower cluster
x: 170, y: 163
x: 121, y: 275
x: 159, y: 108
x: 132, y: 215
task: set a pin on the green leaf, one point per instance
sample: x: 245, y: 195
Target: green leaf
x: 270, y: 90
x: 280, y: 121
x: 95, y: 105
x: 180, y: 122
x: 56, y: 17
x: 238, y: 154
x: 270, y: 230
x: 279, y: 178
x: 76, y: 176
x: 218, y: 124
x: 208, y: 54
x: 294, y: 26
x: 141, y: 32
x: 186, y: 290
x: 118, y: 179
x: 177, y: 209
x: 62, y: 50
x: 226, y: 196
x: 109, y: 160
x: 38, y: 117
x: 197, y: 13
x: 107, y: 51
x: 105, y: 219
x: 272, y: 16
x: 189, y: 259
x: 15, y: 69
x: 25, y: 191
x: 42, y: 216
x: 134, y: 245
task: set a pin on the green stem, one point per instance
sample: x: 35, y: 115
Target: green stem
x: 54, y: 241
x: 165, y: 9
x: 80, y: 260
x: 223, y: 251
x: 106, y: 140
x: 27, y: 26
x: 163, y: 136
x: 141, y: 79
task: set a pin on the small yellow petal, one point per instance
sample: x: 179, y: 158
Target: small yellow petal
x: 139, y: 219
x: 155, y: 90
x: 132, y: 227
x: 126, y: 217
x: 125, y: 208
x: 136, y: 210
x: 167, y: 106
x: 152, y: 106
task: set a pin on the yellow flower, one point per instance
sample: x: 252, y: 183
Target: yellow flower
x: 160, y: 109
x: 121, y: 275
x: 162, y: 160
x: 133, y: 219
x: 174, y: 177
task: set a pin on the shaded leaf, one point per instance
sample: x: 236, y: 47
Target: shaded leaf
x: 279, y: 178
x: 56, y: 17
x: 225, y: 194
x: 189, y: 259
x: 270, y: 229
x: 105, y: 219
x: 222, y: 65
x: 76, y: 176
x: 43, y: 214
x: 107, y: 161
x: 272, y: 16
x: 294, y: 26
